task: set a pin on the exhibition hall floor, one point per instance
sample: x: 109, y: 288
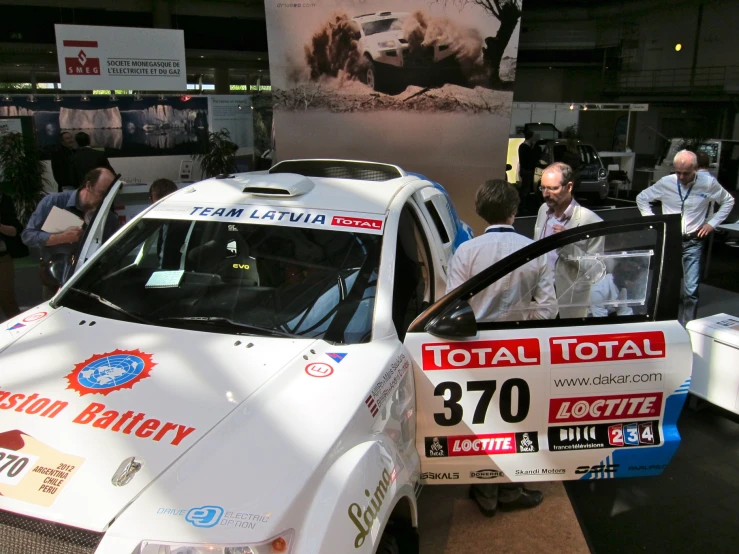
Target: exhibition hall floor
x: 690, y: 507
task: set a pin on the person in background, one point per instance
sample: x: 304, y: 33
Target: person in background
x: 526, y: 293
x: 61, y: 161
x: 704, y: 162
x: 161, y: 188
x: 528, y: 160
x: 689, y: 193
x: 61, y: 247
x: 573, y: 276
x: 85, y: 159
x: 10, y: 228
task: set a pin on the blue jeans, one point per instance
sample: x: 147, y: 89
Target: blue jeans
x: 692, y: 257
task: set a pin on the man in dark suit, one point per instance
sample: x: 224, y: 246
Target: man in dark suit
x: 86, y: 159
x: 61, y: 161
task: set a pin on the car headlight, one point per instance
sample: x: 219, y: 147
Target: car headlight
x: 281, y: 544
x: 386, y: 44
x: 602, y: 173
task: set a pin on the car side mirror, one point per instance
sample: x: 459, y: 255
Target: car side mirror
x: 456, y: 322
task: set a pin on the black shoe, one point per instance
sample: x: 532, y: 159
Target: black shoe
x: 528, y: 499
x: 487, y: 506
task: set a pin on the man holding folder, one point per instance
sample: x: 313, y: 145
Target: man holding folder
x: 57, y: 224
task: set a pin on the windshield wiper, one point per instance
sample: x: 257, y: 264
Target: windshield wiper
x: 255, y: 329
x: 112, y: 306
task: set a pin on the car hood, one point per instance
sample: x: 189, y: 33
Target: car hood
x: 82, y: 395
x: 395, y: 35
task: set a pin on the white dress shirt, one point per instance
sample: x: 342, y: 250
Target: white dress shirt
x: 697, y: 196
x: 524, y: 293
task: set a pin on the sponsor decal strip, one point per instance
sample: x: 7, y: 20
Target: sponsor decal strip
x: 388, y: 382
x: 604, y: 435
x: 607, y: 348
x: 480, y: 354
x: 601, y: 408
x: 482, y: 445
x: 274, y: 215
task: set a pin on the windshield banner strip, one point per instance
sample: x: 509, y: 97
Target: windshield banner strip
x: 273, y: 215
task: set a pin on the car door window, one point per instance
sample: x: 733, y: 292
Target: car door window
x: 412, y: 291
x: 595, y: 279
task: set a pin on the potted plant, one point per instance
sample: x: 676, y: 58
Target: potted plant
x: 218, y: 154
x: 22, y: 173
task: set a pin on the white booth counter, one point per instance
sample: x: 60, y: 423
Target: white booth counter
x: 715, y: 341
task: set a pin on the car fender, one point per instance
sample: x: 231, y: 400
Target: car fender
x: 361, y: 487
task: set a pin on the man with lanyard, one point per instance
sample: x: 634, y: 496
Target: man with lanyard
x: 525, y: 293
x: 574, y: 271
x: 690, y: 194
x: 61, y: 247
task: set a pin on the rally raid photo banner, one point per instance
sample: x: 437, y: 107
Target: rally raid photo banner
x: 424, y: 84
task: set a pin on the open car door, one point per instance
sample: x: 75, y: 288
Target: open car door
x: 94, y: 235
x: 594, y: 393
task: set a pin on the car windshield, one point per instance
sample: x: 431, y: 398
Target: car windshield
x: 382, y: 26
x: 236, y: 278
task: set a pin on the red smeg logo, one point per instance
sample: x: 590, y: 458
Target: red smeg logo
x: 82, y: 64
x: 605, y: 348
x: 599, y: 408
x: 358, y: 222
x: 482, y: 353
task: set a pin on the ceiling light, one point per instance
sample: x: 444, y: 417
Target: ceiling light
x: 7, y: 98
x: 161, y: 98
x: 138, y: 98
x: 32, y: 98
x: 202, y: 56
x: 678, y: 47
x: 113, y: 98
x: 585, y: 107
x: 572, y: 106
x: 57, y: 98
x: 85, y: 98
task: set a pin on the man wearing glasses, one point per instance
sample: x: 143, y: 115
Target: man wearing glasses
x: 691, y: 194
x: 574, y: 273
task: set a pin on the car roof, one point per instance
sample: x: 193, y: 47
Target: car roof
x: 310, y: 188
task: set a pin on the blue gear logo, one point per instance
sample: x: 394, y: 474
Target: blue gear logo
x: 205, y: 516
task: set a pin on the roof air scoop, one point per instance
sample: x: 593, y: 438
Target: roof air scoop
x: 283, y: 184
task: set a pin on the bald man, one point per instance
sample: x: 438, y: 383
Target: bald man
x: 691, y: 194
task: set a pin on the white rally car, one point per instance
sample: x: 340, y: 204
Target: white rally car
x: 386, y: 49
x: 268, y: 363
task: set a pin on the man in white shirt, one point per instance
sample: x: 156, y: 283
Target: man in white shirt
x: 691, y: 194
x: 524, y: 293
x: 574, y: 270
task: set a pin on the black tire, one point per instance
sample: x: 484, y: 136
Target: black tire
x: 370, y: 75
x: 388, y: 543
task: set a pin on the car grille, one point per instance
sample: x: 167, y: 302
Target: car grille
x: 26, y: 535
x: 418, y: 57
